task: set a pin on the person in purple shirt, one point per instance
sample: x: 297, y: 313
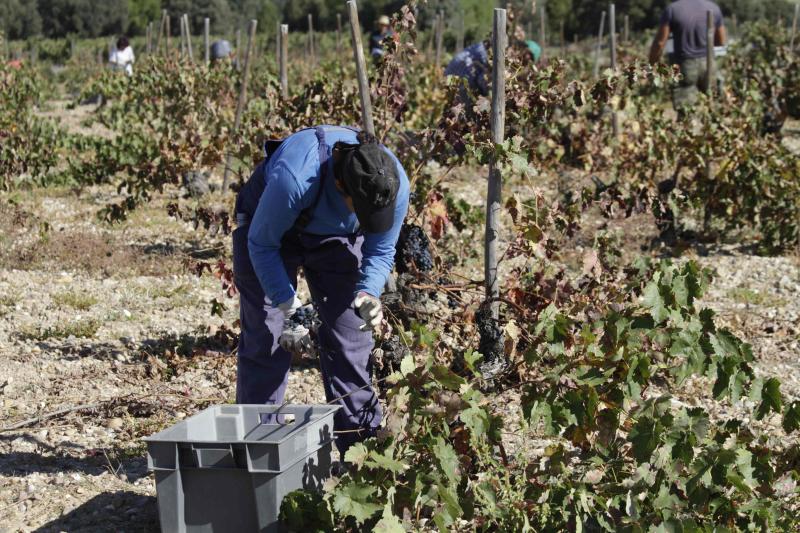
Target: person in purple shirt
x: 687, y: 21
x: 331, y: 200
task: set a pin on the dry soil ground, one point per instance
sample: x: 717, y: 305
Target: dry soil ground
x: 108, y: 318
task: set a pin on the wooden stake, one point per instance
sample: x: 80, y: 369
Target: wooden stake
x: 734, y: 25
x: 361, y: 68
x: 161, y: 29
x: 188, y: 31
x: 710, y: 53
x: 794, y: 27
x: 627, y: 30
x: 240, y: 105
x: 338, y: 33
x: 283, y: 59
x: 207, y: 40
x: 563, y: 41
x: 311, y: 48
x: 710, y: 86
x: 439, y: 38
x: 599, y: 45
x: 495, y: 185
x: 168, y: 34
x: 183, y: 37
x: 612, y: 42
x: 147, y: 37
x: 238, y: 50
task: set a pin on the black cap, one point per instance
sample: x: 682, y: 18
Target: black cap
x: 370, y: 178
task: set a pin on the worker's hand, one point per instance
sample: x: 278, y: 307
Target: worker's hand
x: 369, y: 309
x: 295, y: 338
x: 290, y: 306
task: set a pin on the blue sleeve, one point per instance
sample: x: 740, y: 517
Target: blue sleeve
x: 378, y: 249
x: 666, y: 16
x: 277, y: 211
x: 718, y: 20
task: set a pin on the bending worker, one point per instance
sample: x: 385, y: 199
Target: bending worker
x: 687, y: 21
x: 472, y: 64
x: 330, y: 200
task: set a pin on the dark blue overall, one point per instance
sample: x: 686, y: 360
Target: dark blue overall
x: 331, y: 266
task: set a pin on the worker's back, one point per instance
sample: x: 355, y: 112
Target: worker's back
x: 687, y: 21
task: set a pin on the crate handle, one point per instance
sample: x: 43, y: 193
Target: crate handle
x: 214, y: 456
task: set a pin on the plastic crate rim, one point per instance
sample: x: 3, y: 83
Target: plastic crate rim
x: 156, y: 437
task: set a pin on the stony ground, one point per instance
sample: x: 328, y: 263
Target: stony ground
x: 106, y: 338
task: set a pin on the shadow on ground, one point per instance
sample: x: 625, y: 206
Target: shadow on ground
x: 94, y: 464
x: 110, y: 511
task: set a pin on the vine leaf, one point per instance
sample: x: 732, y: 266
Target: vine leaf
x: 791, y: 418
x: 353, y: 500
x: 644, y: 438
x: 447, y: 459
x: 654, y: 302
x: 771, y: 399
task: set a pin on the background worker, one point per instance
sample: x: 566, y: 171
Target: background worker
x: 686, y: 20
x: 381, y: 32
x: 472, y: 64
x: 221, y: 52
x: 122, y: 57
x: 332, y: 201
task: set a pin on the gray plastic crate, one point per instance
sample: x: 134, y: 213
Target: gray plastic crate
x: 228, y: 467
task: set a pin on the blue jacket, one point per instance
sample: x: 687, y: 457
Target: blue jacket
x: 292, y: 178
x: 472, y: 64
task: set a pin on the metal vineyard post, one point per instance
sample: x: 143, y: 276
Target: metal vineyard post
x: 494, y: 189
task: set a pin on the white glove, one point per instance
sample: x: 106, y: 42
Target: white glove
x: 290, y: 306
x: 295, y: 338
x: 369, y: 309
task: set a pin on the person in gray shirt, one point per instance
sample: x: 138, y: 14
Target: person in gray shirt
x: 686, y: 20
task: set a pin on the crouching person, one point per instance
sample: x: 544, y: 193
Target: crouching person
x: 330, y: 200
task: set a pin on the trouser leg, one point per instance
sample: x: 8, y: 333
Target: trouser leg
x: 262, y: 365
x: 331, y: 268
x: 692, y: 77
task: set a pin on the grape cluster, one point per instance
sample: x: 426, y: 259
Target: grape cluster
x: 413, y: 250
x: 492, y: 343
x: 394, y: 350
x: 391, y: 352
x: 305, y: 316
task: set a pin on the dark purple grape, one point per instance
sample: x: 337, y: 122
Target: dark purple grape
x: 413, y: 250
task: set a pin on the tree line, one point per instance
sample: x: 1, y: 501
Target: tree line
x: 21, y: 19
